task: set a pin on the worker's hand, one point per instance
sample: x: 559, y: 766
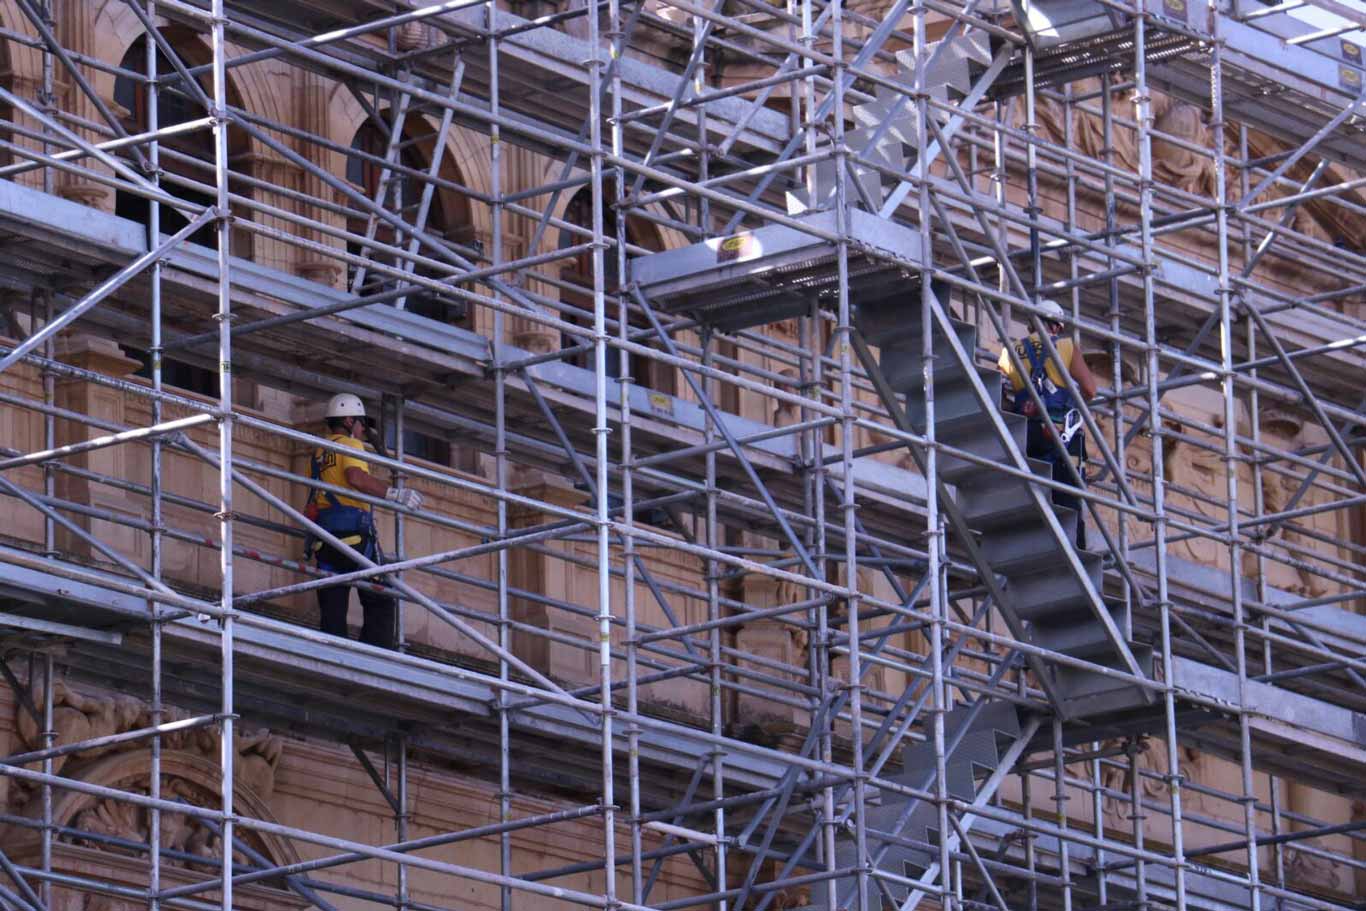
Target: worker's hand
x: 406, y: 497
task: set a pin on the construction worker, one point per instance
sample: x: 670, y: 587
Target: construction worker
x: 1062, y: 420
x: 352, y: 522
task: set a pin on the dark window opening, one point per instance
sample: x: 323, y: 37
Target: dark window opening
x: 578, y: 269
x: 176, y: 105
x: 188, y: 377
x: 447, y: 218
x: 421, y: 446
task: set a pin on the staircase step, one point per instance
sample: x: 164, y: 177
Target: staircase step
x: 884, y: 323
x: 1003, y: 720
x: 903, y: 361
x: 1038, y: 592
x: 974, y: 45
x: 974, y: 434
x: 898, y: 858
x: 991, y: 501
x: 1078, y: 633
x: 949, y: 68
x: 896, y: 322
x: 959, y: 767
x: 1087, y: 694
x: 954, y: 398
x: 1029, y: 547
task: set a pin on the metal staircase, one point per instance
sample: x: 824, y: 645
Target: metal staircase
x: 1047, y: 593
x: 982, y: 742
x: 1050, y: 596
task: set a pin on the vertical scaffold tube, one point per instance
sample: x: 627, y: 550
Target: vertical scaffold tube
x: 223, y: 231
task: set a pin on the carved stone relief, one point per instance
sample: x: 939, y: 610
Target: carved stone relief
x: 190, y: 773
x: 1175, y: 165
x: 1151, y: 758
x: 1197, y: 487
x: 1285, y: 429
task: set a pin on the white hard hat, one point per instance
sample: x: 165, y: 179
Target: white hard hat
x: 1049, y: 309
x: 345, y: 405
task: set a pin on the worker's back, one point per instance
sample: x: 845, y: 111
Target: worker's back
x: 1017, y: 383
x: 1045, y: 373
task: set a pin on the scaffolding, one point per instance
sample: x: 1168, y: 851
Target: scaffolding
x: 814, y: 165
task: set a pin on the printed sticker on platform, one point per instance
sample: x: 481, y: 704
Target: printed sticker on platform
x: 1175, y: 9
x: 661, y: 403
x: 741, y: 246
x: 1351, y: 52
x: 1351, y: 78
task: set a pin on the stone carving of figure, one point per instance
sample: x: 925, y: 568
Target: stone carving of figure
x: 1285, y: 429
x: 1178, y: 165
x: 1306, y: 869
x: 1152, y: 758
x: 1200, y: 471
x: 80, y: 716
x: 77, y: 717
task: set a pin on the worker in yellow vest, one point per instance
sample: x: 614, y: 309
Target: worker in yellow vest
x: 1062, y: 420
x: 352, y: 521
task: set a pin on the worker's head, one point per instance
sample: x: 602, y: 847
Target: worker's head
x: 1050, y: 311
x: 346, y: 414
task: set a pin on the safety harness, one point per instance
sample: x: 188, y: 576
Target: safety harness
x: 1065, y: 419
x: 352, y: 525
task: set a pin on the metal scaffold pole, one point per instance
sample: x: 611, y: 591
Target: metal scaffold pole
x: 226, y: 459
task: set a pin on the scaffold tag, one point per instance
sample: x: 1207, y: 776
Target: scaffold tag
x: 736, y: 247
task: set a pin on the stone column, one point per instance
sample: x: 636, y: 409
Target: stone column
x: 545, y: 575
x: 76, y: 30
x: 22, y: 81
x: 268, y: 166
x: 103, y: 356
x: 312, y: 98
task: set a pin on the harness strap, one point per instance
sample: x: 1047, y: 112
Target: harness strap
x: 330, y: 502
x: 1058, y: 399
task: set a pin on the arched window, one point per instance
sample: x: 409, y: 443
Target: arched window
x: 187, y: 155
x: 578, y: 270
x: 447, y: 217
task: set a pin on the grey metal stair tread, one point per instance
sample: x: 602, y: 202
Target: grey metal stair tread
x: 998, y: 507
x: 905, y: 372
x: 1026, y: 547
x: 973, y: 433
x: 1075, y: 634
x: 956, y: 430
x: 892, y: 321
x: 1087, y: 693
x: 1092, y: 562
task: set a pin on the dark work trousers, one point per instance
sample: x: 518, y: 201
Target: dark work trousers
x: 1038, y: 445
x: 380, y: 611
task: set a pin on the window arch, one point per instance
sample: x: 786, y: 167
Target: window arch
x: 187, y: 155
x: 578, y: 270
x: 448, y: 213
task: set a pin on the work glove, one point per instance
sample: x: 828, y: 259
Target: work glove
x: 406, y: 497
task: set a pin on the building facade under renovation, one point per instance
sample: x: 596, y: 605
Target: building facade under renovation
x: 660, y: 353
